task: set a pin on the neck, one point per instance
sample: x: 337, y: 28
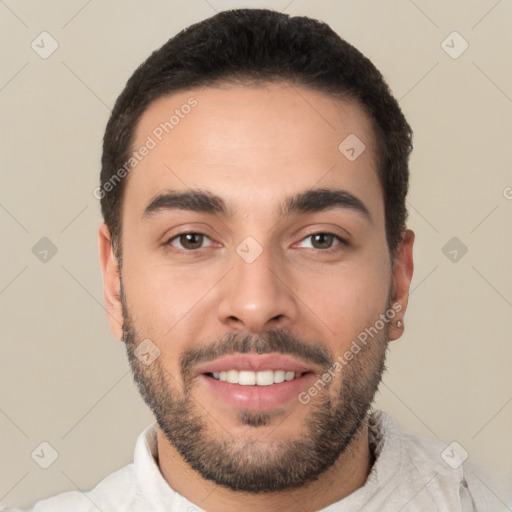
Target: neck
x: 346, y: 475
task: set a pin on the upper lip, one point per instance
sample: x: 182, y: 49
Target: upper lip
x: 254, y: 362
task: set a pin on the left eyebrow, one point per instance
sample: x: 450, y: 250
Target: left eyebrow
x: 309, y: 201
x: 322, y: 199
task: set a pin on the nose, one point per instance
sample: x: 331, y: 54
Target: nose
x: 257, y: 296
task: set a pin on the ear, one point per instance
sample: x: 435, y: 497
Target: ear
x: 402, y: 274
x: 111, y: 282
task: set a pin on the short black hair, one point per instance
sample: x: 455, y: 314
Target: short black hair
x: 252, y: 46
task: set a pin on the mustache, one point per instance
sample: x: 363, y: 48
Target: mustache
x: 270, y: 341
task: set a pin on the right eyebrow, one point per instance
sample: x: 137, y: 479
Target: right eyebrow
x: 198, y: 201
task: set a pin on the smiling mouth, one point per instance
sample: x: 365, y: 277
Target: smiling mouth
x: 255, y: 382
x: 253, y: 378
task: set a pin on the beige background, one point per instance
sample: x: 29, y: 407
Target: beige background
x: 65, y: 380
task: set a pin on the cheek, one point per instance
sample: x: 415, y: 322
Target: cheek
x: 163, y: 307
x: 349, y: 299
x: 169, y: 304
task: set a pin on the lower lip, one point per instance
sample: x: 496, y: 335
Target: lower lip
x: 258, y: 398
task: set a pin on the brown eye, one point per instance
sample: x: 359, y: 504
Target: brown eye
x: 188, y: 241
x: 324, y: 241
x: 191, y: 240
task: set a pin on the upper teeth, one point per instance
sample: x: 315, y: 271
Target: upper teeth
x: 248, y: 378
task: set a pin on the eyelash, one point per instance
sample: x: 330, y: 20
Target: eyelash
x: 335, y: 235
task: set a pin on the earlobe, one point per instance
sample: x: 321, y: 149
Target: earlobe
x: 111, y: 282
x: 402, y: 274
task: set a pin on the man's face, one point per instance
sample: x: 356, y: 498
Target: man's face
x: 253, y: 291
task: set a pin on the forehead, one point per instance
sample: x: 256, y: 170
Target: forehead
x: 250, y: 144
